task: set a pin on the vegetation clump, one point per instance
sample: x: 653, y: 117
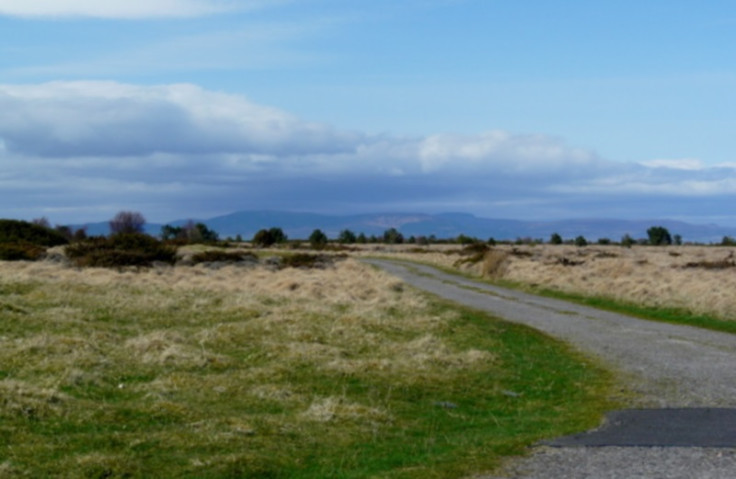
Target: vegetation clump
x: 123, y: 249
x: 269, y: 237
x: 318, y: 239
x: 308, y: 261
x: 219, y: 256
x: 20, y: 240
x: 725, y: 263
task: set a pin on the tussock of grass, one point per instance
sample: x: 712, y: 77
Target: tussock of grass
x: 250, y: 372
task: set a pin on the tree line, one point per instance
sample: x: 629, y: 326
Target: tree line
x: 132, y: 222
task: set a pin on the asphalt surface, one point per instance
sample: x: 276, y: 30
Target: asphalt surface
x: 684, y: 379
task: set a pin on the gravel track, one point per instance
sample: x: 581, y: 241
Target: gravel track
x: 665, y: 365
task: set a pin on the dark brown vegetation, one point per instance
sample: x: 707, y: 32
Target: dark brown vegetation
x: 125, y: 249
x: 20, y: 240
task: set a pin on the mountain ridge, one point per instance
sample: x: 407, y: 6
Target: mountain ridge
x: 299, y: 225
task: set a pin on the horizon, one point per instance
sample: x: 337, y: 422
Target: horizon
x: 444, y: 226
x: 522, y: 110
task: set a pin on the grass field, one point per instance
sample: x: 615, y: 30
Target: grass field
x: 694, y: 283
x: 249, y: 372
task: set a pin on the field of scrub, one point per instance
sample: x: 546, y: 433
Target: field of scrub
x: 238, y: 371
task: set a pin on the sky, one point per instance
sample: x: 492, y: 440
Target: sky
x: 533, y: 110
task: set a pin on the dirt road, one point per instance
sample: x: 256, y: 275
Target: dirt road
x: 667, y: 366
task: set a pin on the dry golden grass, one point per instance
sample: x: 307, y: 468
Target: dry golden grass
x: 700, y: 279
x: 247, y: 370
x: 180, y: 342
x: 654, y: 276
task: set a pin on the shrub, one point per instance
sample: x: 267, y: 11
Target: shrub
x: 212, y: 256
x: 347, y: 237
x: 494, y: 263
x: 581, y: 241
x: 627, y: 241
x: 659, y: 236
x: 318, y: 240
x: 464, y: 240
x: 15, y: 231
x: 555, y: 238
x: 123, y: 249
x: 20, y: 251
x: 127, y: 222
x: 265, y: 238
x: 728, y: 241
x: 392, y: 236
x: 306, y: 260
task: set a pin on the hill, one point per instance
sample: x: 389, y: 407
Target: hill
x: 444, y: 225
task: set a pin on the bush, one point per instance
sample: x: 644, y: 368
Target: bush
x: 659, y: 236
x: 347, y: 237
x: 213, y: 256
x: 581, y: 241
x: 555, y: 238
x: 306, y: 260
x: 265, y: 238
x: 393, y: 236
x: 20, y: 251
x: 126, y: 222
x: 318, y: 240
x: 15, y: 231
x: 123, y: 249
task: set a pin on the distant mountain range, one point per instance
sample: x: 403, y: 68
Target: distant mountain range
x: 444, y: 225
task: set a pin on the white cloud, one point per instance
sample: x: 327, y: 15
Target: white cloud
x: 180, y: 150
x: 502, y: 150
x: 125, y: 9
x: 67, y: 119
x: 690, y: 164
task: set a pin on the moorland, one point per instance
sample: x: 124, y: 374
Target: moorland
x: 238, y: 361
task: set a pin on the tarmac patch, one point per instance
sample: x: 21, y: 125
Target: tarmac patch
x: 677, y: 427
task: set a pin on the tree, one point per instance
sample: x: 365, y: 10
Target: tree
x: 627, y: 241
x: 318, y: 240
x: 658, y: 236
x: 42, y: 222
x: 278, y: 235
x: 392, y: 236
x: 199, y: 233
x: 466, y: 240
x: 347, y: 237
x: 169, y: 232
x: 265, y: 238
x: 127, y: 222
x: 555, y: 239
x: 361, y: 239
x: 581, y: 241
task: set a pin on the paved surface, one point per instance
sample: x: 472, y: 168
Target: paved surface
x: 667, y: 366
x: 671, y: 427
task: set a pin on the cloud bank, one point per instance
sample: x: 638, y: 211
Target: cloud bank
x: 78, y: 151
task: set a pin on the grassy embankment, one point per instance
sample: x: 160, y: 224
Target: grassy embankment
x: 245, y: 372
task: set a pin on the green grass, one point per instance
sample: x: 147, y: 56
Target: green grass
x: 87, y: 388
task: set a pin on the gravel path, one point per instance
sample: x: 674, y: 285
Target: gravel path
x: 665, y: 365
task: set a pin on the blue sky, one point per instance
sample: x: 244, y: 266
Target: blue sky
x: 509, y: 109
